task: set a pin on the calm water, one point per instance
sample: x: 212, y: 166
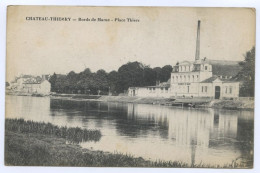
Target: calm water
x: 149, y: 131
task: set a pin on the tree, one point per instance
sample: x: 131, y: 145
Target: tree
x: 72, y: 79
x: 52, y: 80
x: 113, y: 79
x: 130, y: 74
x: 165, y: 73
x: 247, y: 74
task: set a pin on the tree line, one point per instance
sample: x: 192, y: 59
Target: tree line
x: 138, y: 74
x: 114, y: 82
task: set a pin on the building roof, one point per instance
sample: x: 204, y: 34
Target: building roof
x: 225, y: 70
x: 219, y: 67
x: 213, y: 78
x: 209, y: 80
x: 185, y: 62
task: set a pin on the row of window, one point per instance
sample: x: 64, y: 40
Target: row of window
x: 190, y: 68
x: 204, y: 89
x: 185, y: 68
x: 152, y: 90
x: 185, y: 78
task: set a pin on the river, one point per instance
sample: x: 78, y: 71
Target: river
x: 154, y: 132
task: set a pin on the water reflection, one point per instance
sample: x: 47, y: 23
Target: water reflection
x: 150, y: 131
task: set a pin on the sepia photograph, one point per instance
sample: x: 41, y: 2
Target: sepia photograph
x: 152, y: 87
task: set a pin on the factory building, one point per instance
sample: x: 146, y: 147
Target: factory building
x: 198, y: 78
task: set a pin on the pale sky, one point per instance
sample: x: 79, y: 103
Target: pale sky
x: 162, y: 36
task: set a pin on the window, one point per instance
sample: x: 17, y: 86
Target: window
x: 166, y: 90
x: 230, y: 90
x: 173, y: 79
x: 197, y: 77
x: 192, y: 78
x: 206, y: 67
x: 204, y: 89
x: 189, y: 78
x: 184, y: 78
x: 184, y: 68
x: 226, y: 89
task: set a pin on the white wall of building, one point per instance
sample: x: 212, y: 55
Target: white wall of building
x: 149, y: 92
x: 45, y: 87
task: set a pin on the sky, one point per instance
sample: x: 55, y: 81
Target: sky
x: 162, y: 36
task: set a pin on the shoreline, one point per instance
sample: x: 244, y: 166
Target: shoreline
x: 196, y: 102
x: 238, y: 104
x: 33, y: 149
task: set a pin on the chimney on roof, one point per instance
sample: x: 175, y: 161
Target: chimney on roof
x: 197, y: 55
x: 43, y: 77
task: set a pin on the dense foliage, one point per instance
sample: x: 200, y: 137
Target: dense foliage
x: 247, y: 74
x: 115, y: 82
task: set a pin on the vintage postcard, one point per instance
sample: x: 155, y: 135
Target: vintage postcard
x: 130, y: 87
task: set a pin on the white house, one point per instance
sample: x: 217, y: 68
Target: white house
x: 197, y: 79
x: 30, y: 84
x: 43, y: 87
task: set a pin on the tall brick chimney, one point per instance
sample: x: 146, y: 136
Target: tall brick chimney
x: 197, y: 55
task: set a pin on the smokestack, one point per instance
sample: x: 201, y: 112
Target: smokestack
x: 197, y: 55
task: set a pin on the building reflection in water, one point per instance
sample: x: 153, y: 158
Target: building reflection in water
x: 191, y: 128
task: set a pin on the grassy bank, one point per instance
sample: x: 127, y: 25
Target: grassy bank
x: 34, y: 148
x: 73, y: 135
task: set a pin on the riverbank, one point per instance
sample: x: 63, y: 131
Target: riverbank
x: 36, y: 149
x: 239, y: 104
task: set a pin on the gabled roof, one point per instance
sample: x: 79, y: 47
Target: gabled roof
x: 213, y: 78
x: 210, y: 80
